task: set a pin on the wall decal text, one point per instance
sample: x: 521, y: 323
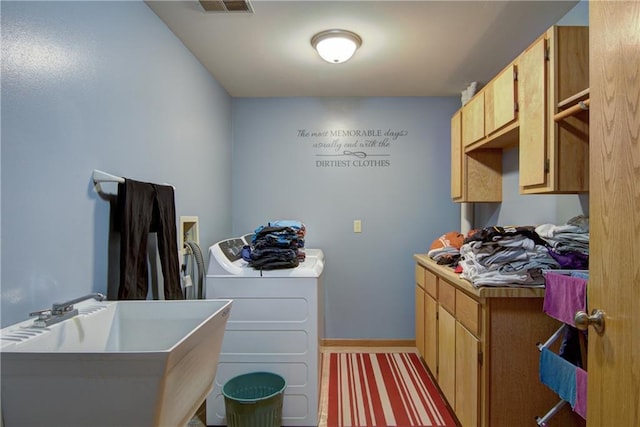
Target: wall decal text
x: 359, y: 148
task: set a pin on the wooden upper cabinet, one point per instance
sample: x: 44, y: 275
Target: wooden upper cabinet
x: 456, y: 155
x: 500, y: 100
x: 473, y: 120
x: 476, y: 176
x: 519, y: 108
x: 554, y: 156
x: 533, y: 140
x: 490, y: 118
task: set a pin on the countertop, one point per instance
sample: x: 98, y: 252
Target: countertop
x: 480, y: 292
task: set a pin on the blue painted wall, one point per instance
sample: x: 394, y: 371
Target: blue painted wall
x: 529, y: 209
x: 105, y: 85
x: 290, y: 163
x: 98, y: 85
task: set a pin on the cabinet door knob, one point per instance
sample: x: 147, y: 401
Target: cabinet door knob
x: 596, y: 319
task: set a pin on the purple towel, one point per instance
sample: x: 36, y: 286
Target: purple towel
x: 581, y: 393
x: 564, y: 296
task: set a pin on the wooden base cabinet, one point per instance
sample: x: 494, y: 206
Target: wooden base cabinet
x: 420, y: 321
x: 447, y: 355
x: 459, y: 354
x: 430, y: 354
x: 468, y: 361
x: 426, y: 317
x: 484, y: 341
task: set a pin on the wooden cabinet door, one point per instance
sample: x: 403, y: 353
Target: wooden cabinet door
x: 500, y: 100
x: 420, y: 320
x: 473, y: 120
x: 431, y: 334
x: 457, y: 179
x: 467, y: 377
x: 614, y: 287
x: 532, y: 89
x: 447, y: 355
x: 569, y: 69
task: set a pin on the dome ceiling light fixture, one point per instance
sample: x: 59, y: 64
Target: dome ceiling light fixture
x: 336, y: 46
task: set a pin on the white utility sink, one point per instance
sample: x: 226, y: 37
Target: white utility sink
x: 117, y: 363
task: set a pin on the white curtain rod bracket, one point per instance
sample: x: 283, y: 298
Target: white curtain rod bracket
x: 100, y: 177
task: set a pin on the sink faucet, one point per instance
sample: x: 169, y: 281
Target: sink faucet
x: 61, y: 311
x: 62, y: 307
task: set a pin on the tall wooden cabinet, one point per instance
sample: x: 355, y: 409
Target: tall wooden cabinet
x: 480, y: 346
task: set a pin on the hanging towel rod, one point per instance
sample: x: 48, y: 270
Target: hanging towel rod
x: 100, y: 176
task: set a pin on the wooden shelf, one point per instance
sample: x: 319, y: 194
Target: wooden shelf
x: 477, y: 292
x: 505, y: 138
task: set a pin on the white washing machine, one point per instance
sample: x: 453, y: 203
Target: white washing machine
x: 276, y: 325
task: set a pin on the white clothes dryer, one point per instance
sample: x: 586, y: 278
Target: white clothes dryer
x: 276, y: 324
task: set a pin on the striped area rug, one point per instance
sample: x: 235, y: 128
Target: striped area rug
x: 380, y: 389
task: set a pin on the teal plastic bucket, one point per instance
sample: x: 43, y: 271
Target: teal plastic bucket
x: 254, y: 400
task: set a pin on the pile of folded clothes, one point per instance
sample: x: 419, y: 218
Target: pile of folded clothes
x: 514, y: 255
x: 568, y: 243
x: 505, y: 256
x: 276, y: 245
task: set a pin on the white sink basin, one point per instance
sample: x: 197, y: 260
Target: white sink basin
x: 118, y: 363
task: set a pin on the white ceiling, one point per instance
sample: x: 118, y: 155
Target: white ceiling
x: 410, y: 48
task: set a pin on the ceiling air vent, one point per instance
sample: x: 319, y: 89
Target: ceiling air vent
x: 226, y: 5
